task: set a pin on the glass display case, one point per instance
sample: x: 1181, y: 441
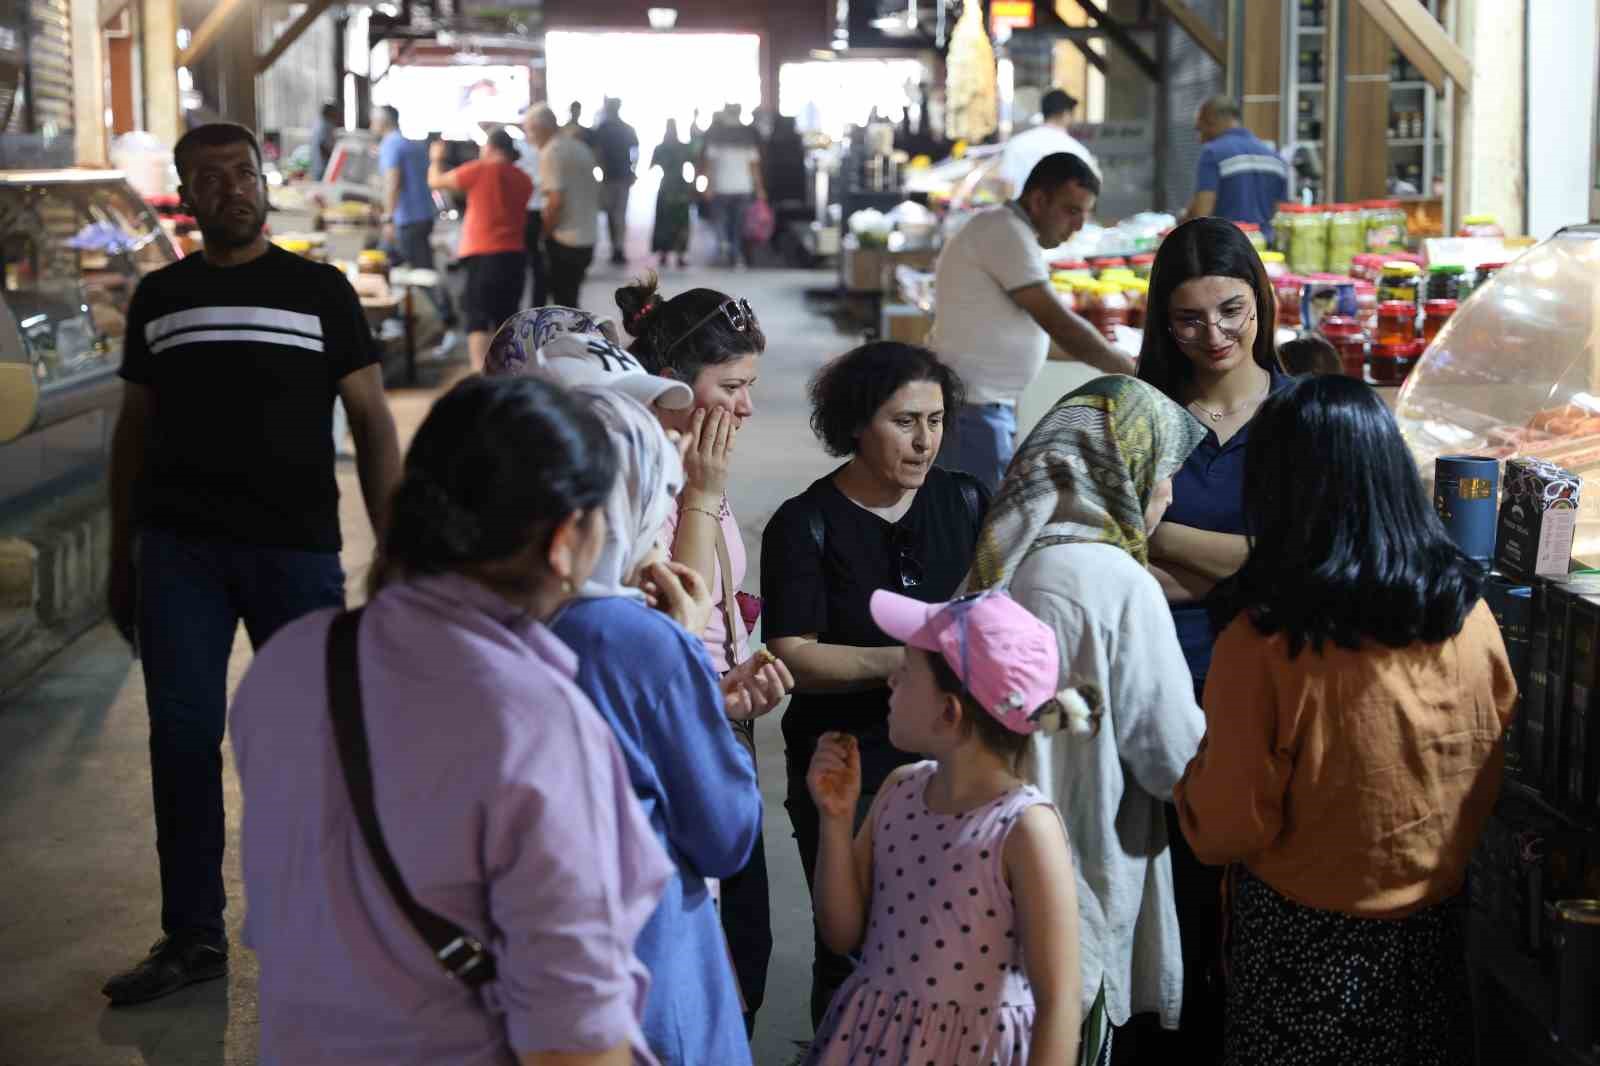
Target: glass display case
x: 1516, y: 372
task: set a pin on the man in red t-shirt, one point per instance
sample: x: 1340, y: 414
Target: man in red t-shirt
x: 492, y: 249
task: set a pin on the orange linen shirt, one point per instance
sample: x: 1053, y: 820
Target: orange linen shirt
x: 1352, y: 781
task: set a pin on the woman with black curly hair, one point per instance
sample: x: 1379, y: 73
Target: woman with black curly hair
x: 887, y: 518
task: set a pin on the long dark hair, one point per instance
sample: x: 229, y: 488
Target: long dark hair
x: 685, y: 334
x: 496, y: 465
x: 1200, y: 248
x: 1345, y: 544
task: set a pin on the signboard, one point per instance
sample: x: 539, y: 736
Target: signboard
x: 1010, y: 15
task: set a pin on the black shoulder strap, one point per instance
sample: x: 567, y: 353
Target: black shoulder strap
x: 969, y: 493
x: 819, y: 529
x: 461, y: 955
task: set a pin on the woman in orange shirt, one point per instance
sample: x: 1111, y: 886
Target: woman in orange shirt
x: 1354, y: 714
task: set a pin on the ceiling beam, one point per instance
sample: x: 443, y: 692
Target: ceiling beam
x: 1095, y: 59
x: 1197, y: 30
x: 110, y: 9
x: 206, y: 34
x: 1423, y: 41
x: 1122, y: 39
x: 313, y: 11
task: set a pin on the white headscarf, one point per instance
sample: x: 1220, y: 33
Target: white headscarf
x: 649, y: 478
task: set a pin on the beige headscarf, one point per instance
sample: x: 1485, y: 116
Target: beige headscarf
x: 1084, y: 475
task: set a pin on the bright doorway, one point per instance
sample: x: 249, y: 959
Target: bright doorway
x: 657, y: 76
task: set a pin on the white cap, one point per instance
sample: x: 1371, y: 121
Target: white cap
x: 591, y: 359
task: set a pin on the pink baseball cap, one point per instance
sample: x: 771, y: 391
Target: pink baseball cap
x: 1006, y: 657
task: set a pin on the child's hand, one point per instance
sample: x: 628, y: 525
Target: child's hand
x: 835, y: 776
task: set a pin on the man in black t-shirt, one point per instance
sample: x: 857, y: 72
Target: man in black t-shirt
x: 225, y: 505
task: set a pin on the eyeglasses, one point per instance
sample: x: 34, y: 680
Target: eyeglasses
x: 911, y: 571
x: 736, y: 311
x: 1231, y: 325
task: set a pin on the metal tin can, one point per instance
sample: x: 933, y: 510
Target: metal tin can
x: 1577, y: 950
x: 1466, y: 489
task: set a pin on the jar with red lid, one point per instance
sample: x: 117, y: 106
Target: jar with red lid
x: 1435, y: 313
x: 1112, y: 309
x: 1107, y: 262
x: 1397, y: 322
x: 1349, y: 340
x: 1367, y: 305
x: 1367, y: 266
x: 1391, y: 363
x: 1287, y: 289
x: 1253, y: 234
x: 1069, y: 264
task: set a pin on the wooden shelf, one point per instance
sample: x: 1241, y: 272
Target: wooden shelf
x: 1408, y: 142
x: 1407, y: 85
x: 1312, y: 31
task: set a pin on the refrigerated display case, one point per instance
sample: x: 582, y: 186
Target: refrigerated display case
x: 74, y: 245
x: 1516, y: 372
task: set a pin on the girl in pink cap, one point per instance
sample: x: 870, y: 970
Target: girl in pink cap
x: 958, y: 893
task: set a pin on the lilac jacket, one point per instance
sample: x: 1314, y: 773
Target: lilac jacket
x: 509, y: 813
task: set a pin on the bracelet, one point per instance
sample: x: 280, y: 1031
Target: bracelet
x: 708, y: 514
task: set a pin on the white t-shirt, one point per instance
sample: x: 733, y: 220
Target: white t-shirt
x: 528, y: 163
x: 1023, y: 152
x: 567, y: 166
x: 729, y: 168
x: 994, y: 345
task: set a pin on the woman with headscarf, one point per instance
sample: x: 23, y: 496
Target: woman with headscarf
x: 1068, y: 534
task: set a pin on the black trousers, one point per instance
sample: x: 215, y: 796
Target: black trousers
x: 567, y: 267
x: 533, y: 237
x: 747, y: 909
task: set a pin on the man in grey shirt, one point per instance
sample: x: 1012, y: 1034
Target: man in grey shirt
x: 571, y: 206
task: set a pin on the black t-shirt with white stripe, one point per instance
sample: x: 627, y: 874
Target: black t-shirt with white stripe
x: 244, y: 363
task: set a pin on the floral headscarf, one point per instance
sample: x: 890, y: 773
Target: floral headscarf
x: 1084, y: 475
x: 515, y: 346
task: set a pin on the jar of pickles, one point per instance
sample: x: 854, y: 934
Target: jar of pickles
x: 1275, y: 265
x: 1444, y: 282
x: 1142, y: 264
x: 1280, y: 227
x: 1308, y: 240
x: 1385, y: 225
x: 1397, y: 322
x: 1346, y: 236
x: 1287, y: 289
x: 1399, y: 282
x: 1435, y: 313
x: 1253, y: 233
x: 1480, y: 226
x: 1391, y: 363
x: 1350, y: 341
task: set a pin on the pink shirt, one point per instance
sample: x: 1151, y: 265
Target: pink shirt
x: 507, y: 806
x: 716, y: 631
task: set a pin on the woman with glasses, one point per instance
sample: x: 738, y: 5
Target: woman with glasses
x: 886, y: 518
x: 712, y: 343
x: 1208, y: 345
x: 1068, y: 536
x: 1353, y: 748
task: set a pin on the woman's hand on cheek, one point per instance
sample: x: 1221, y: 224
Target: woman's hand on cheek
x: 706, y: 462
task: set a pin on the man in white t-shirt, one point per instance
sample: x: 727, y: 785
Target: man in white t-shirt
x: 533, y: 227
x: 571, y: 213
x: 995, y: 312
x: 1023, y: 152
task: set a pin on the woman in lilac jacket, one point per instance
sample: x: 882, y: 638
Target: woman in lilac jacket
x: 501, y: 793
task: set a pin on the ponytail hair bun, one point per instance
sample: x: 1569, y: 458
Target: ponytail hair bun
x: 1076, y: 708
x: 638, y: 303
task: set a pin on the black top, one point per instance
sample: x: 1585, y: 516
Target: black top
x: 244, y: 363
x: 617, y: 145
x: 807, y: 591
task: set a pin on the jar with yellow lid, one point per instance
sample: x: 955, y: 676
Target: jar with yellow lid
x: 373, y: 261
x: 1399, y: 281
x: 1137, y: 292
x: 1277, y: 264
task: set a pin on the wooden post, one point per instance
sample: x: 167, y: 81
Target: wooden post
x: 88, y: 84
x: 238, y: 44
x: 159, y: 30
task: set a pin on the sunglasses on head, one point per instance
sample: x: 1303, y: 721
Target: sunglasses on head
x: 736, y: 310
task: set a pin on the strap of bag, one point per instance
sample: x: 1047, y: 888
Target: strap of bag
x: 969, y: 493
x: 730, y: 602
x: 459, y: 952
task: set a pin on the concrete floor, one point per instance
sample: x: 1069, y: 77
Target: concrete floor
x: 79, y: 896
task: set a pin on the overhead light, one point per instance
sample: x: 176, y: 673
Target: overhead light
x: 662, y: 18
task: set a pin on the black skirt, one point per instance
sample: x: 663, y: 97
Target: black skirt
x: 1309, y: 987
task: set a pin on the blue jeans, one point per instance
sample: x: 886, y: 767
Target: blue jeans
x: 985, y: 438
x: 728, y: 212
x: 192, y: 596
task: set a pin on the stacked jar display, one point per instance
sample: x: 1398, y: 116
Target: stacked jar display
x: 1346, y: 236
x: 1308, y: 240
x: 1349, y: 339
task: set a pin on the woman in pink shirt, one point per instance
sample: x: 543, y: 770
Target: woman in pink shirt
x: 509, y: 815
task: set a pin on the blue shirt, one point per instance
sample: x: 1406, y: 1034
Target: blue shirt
x: 1247, y: 176
x: 653, y: 682
x: 411, y: 158
x: 1208, y: 494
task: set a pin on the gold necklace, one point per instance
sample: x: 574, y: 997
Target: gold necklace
x: 1226, y: 412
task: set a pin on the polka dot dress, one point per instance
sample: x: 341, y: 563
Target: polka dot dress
x: 941, y: 981
x: 1310, y: 987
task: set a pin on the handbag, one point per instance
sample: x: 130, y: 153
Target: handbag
x: 759, y: 223
x: 460, y: 953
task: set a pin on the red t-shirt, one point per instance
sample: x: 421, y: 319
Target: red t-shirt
x: 497, y: 206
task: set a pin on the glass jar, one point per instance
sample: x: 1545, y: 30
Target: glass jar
x: 1367, y: 305
x: 1308, y: 241
x: 1391, y: 363
x: 1137, y: 292
x: 1275, y: 265
x: 1397, y: 322
x: 1368, y: 266
x: 1118, y: 274
x: 1385, y: 229
x: 1480, y: 226
x: 1350, y: 341
x: 1104, y: 263
x: 1142, y: 264
x: 1280, y: 226
x: 1287, y: 290
x: 1444, y: 282
x: 1109, y: 309
x: 1253, y: 233
x: 1473, y: 281
x: 1399, y: 282
x: 1435, y: 313
x: 1346, y: 236
x: 1071, y: 266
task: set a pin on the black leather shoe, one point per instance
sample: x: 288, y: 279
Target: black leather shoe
x: 174, y: 961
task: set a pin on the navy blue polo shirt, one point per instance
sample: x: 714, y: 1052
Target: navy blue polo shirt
x: 1208, y: 494
x: 1247, y: 176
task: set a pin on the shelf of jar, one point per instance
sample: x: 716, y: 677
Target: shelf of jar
x: 1408, y: 85
x: 1408, y: 142
x: 1312, y: 31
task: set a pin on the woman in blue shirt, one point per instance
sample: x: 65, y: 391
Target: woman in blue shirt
x: 1209, y: 345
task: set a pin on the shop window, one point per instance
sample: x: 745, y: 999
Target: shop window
x: 73, y: 254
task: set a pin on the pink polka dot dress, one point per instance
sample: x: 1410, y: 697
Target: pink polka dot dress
x: 941, y: 980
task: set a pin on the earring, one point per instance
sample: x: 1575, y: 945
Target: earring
x: 566, y: 586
